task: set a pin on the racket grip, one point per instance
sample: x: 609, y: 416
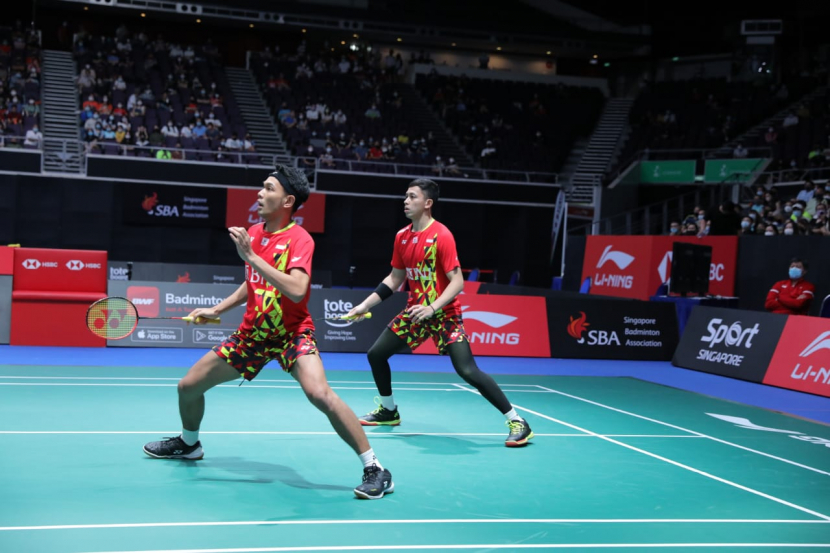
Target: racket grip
x: 205, y: 319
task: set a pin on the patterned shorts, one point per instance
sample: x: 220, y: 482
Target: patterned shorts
x: 443, y: 330
x: 249, y: 356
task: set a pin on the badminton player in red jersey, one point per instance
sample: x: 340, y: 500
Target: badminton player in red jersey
x: 424, y: 254
x: 276, y: 326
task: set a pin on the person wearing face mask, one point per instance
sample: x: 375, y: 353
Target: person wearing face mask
x: 790, y: 228
x: 691, y: 229
x: 815, y: 201
x: 771, y: 230
x: 799, y: 212
x: 746, y: 226
x: 674, y: 228
x: 806, y: 194
x: 792, y: 296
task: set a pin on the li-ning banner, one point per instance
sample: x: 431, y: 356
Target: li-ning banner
x: 513, y: 326
x: 172, y: 299
x: 349, y: 336
x: 160, y: 205
x: 596, y: 328
x: 636, y: 266
x: 729, y: 342
x: 242, y: 210
x: 802, y: 359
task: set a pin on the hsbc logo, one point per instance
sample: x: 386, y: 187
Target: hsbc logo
x: 74, y: 265
x: 620, y: 259
x: 31, y: 264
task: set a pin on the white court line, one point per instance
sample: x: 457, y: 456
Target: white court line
x: 693, y: 432
x: 247, y: 387
x: 303, y: 433
x: 24, y: 377
x: 341, y: 522
x: 478, y: 546
x: 671, y: 462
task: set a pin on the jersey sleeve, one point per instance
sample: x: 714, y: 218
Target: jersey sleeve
x: 447, y: 253
x: 302, y: 251
x: 397, y: 257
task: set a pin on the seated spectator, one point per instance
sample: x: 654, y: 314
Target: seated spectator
x: 187, y: 131
x: 361, y: 151
x: 170, y: 130
x: 724, y: 220
x: 178, y: 153
x: 141, y: 137
x: 747, y: 226
x: 793, y: 295
x: 119, y: 110
x: 375, y: 153
x: 122, y: 134
x: 740, y: 152
x: 199, y: 129
x: 233, y: 144
x: 284, y: 111
x: 212, y: 133
x: 373, y: 112
x: 248, y: 144
x: 289, y: 121
x: 790, y: 228
x: 771, y: 137
x: 790, y: 120
x: 817, y: 200
x: 33, y: 137
x: 326, y: 117
x: 438, y: 166
x: 91, y: 103
x: 674, y: 228
x: 278, y: 84
x: 327, y: 158
x: 108, y: 133
x: 156, y: 138
x: 452, y: 169
x: 691, y: 228
x: 138, y: 109
x: 163, y: 153
x: 488, y: 151
x: 31, y: 109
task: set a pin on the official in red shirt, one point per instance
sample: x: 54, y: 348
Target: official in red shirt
x: 424, y: 254
x: 794, y: 295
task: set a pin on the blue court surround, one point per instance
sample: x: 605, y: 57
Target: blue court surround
x: 808, y: 406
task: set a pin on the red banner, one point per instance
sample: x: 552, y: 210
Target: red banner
x: 636, y: 266
x: 47, y: 270
x: 6, y: 260
x: 802, y: 359
x: 242, y: 210
x: 514, y: 326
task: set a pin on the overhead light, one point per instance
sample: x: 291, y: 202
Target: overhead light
x: 675, y: 58
x: 453, y: 43
x: 400, y: 39
x: 548, y: 52
x: 143, y: 15
x: 595, y: 56
x: 251, y: 25
x: 281, y: 19
x: 355, y: 35
x: 332, y: 49
x: 198, y: 21
x: 343, y: 42
x: 498, y: 48
x: 303, y: 30
x: 86, y: 8
x: 606, y: 64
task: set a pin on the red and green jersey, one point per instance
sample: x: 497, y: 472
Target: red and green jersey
x: 427, y: 256
x: 270, y: 315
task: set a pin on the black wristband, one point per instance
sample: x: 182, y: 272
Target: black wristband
x: 383, y: 291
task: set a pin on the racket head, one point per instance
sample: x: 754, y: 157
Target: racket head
x: 112, y: 318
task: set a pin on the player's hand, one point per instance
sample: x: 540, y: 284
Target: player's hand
x: 201, y: 315
x: 358, y: 312
x: 242, y: 241
x: 420, y: 313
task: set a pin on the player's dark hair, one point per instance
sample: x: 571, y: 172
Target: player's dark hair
x: 799, y: 260
x: 428, y: 187
x: 295, y: 183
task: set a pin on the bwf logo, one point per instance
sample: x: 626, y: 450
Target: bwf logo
x: 74, y: 265
x: 31, y: 264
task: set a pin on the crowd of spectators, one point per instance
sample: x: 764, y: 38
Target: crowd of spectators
x: 20, y: 87
x: 154, y: 98
x: 773, y: 211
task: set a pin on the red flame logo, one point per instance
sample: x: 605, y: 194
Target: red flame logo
x: 183, y: 278
x: 150, y: 202
x: 577, y: 326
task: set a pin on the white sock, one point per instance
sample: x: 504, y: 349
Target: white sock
x: 190, y: 437
x: 511, y: 415
x: 388, y: 402
x: 368, y: 459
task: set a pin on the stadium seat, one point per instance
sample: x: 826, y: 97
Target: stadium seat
x: 473, y: 276
x: 586, y: 286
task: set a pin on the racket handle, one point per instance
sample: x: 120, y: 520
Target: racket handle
x: 347, y: 318
x: 204, y: 319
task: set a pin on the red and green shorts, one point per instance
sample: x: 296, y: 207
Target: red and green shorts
x: 249, y: 356
x: 443, y: 330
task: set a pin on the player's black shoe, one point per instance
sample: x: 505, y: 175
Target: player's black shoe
x: 381, y: 416
x: 520, y: 433
x: 376, y: 483
x: 174, y: 448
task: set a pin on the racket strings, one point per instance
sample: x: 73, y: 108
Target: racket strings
x: 112, y: 318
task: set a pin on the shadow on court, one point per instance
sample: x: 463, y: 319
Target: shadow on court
x: 446, y: 445
x: 252, y: 472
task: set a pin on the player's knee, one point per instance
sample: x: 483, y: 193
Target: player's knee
x: 322, y: 397
x: 377, y: 355
x: 468, y: 372
x: 189, y: 387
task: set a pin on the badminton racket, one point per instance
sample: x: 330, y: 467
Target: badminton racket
x: 341, y: 318
x: 115, y: 318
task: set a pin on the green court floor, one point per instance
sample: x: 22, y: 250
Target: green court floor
x: 616, y: 463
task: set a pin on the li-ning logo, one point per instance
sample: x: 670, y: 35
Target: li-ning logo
x: 31, y: 264
x: 577, y: 326
x: 74, y: 265
x: 493, y: 320
x: 620, y: 259
x: 741, y: 422
x: 820, y: 343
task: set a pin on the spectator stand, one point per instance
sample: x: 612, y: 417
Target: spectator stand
x: 20, y: 90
